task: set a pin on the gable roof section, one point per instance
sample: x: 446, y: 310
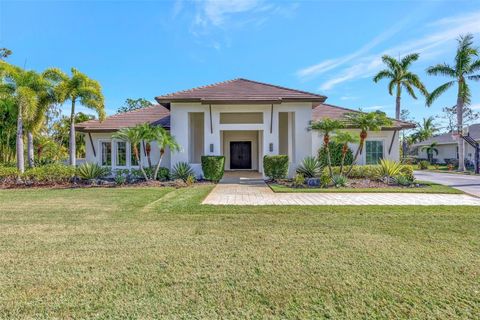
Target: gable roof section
x: 154, y: 115
x: 446, y: 138
x: 325, y: 110
x: 239, y: 91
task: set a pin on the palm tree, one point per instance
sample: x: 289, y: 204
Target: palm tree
x: 148, y: 135
x: 327, y: 126
x: 426, y: 129
x: 430, y: 149
x: 344, y: 138
x: 77, y: 88
x: 464, y: 68
x: 134, y: 136
x: 400, y: 77
x: 371, y: 121
x: 164, y: 140
x: 24, y: 87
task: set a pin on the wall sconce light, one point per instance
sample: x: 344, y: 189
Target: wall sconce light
x: 270, y: 147
x: 211, y: 147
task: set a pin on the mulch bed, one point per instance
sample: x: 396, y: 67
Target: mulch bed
x: 352, y: 183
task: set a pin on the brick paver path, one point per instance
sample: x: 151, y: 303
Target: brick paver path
x: 246, y: 188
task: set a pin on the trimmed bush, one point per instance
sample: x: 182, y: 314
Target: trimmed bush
x: 335, y: 155
x: 407, y: 171
x: 423, y: 165
x: 372, y: 172
x: 310, y: 167
x: 275, y: 167
x: 52, y: 173
x: 339, y: 181
x: 182, y: 171
x: 213, y: 167
x: 8, y: 174
x: 90, y: 171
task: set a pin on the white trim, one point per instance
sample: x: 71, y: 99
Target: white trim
x: 364, y: 156
x: 100, y: 152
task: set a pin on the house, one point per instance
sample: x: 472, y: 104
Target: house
x: 447, y: 145
x: 240, y: 119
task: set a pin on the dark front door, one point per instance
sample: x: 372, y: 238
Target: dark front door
x: 240, y: 155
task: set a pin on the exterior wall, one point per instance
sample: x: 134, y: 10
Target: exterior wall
x: 267, y: 131
x: 97, y: 138
x: 385, y: 136
x: 449, y: 151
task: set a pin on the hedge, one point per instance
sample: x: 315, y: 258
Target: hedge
x: 335, y: 154
x: 53, y: 173
x: 8, y: 174
x: 213, y: 167
x: 275, y: 167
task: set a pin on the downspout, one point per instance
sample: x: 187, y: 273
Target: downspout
x: 271, y: 120
x: 391, y: 142
x: 211, y: 122
x: 91, y: 143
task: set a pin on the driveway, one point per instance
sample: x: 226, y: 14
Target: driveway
x: 467, y: 183
x: 248, y: 188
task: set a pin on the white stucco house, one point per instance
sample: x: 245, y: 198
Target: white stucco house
x: 240, y: 119
x: 447, y: 145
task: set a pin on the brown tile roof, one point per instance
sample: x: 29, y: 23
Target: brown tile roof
x: 335, y: 112
x: 238, y: 91
x: 155, y: 115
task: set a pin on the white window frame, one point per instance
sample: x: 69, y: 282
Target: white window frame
x: 100, y: 152
x: 115, y: 154
x: 382, y: 140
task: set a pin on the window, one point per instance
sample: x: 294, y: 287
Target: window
x: 133, y: 159
x: 373, y: 151
x: 121, y: 159
x: 106, y: 148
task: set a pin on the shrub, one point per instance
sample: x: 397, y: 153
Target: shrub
x: 8, y: 174
x: 423, y: 165
x: 298, y: 180
x: 360, y: 172
x: 182, y: 170
x: 89, y: 171
x: 407, y: 171
x: 310, y: 167
x: 275, y: 167
x: 121, y: 176
x: 325, y: 179
x: 190, y: 180
x: 403, y: 180
x: 213, y: 167
x: 52, y: 173
x: 335, y: 155
x: 451, y: 161
x: 389, y: 169
x: 339, y: 181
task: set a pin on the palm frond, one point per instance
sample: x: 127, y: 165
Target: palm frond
x: 409, y: 88
x: 438, y: 92
x: 391, y: 62
x: 414, y: 81
x: 408, y: 59
x: 382, y: 75
x: 474, y: 77
x: 441, y: 69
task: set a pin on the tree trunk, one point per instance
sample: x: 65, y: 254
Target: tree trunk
x: 72, y: 148
x: 20, y: 159
x: 397, y: 104
x: 461, y: 156
x: 30, y: 155
x: 344, y: 154
x: 359, y: 151
x: 162, y: 152
x: 139, y: 161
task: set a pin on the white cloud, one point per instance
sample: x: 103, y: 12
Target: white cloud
x: 344, y: 98
x: 475, y: 106
x: 361, y: 64
x: 374, y: 108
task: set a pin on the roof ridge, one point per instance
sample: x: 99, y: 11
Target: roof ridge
x: 113, y: 116
x: 198, y: 87
x: 281, y: 87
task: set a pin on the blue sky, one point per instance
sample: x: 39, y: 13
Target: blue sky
x: 147, y: 48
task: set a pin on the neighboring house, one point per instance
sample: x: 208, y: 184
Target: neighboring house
x: 240, y: 119
x: 448, y: 146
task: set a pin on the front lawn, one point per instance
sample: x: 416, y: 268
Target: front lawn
x: 426, y: 187
x: 158, y: 253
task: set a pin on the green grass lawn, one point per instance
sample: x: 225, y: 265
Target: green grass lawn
x: 427, y: 187
x: 157, y: 253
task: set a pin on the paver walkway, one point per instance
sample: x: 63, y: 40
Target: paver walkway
x: 248, y: 188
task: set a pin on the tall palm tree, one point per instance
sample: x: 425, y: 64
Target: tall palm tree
x: 134, y: 136
x: 77, y: 88
x: 371, y: 121
x: 327, y: 126
x: 24, y: 87
x: 426, y: 129
x: 466, y: 67
x: 164, y: 140
x: 148, y: 135
x: 344, y: 138
x: 430, y: 149
x: 400, y: 77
